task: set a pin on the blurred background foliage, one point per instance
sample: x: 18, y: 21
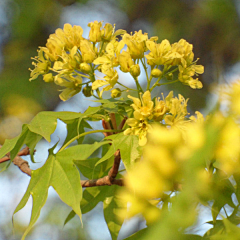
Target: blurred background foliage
x: 212, y: 26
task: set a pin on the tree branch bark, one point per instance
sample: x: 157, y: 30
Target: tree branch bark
x: 24, y: 152
x: 106, y: 180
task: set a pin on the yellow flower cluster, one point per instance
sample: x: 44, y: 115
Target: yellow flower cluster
x: 70, y: 60
x: 160, y: 169
x: 204, y: 144
x: 70, y: 57
x: 178, y: 54
x: 169, y: 111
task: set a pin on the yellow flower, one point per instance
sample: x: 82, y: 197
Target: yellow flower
x: 185, y: 75
x: 70, y: 35
x: 70, y: 61
x: 48, y: 77
x: 198, y: 119
x: 227, y: 152
x: 135, y: 70
x: 181, y: 53
x: 144, y: 105
x: 110, y: 58
x: 63, y: 39
x: 54, y: 47
x: 107, y: 31
x: 235, y: 98
x: 125, y: 61
x: 178, y: 112
x: 87, y: 51
x: 72, y: 84
x: 144, y: 175
x: 139, y: 126
x: 161, y: 107
x: 95, y: 32
x: 136, y: 44
x: 156, y: 73
x: 115, y: 93
x: 110, y: 80
x: 158, y: 52
x: 42, y: 65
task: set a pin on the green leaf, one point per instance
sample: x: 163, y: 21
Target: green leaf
x: 70, y: 216
x: 45, y: 122
x: 81, y: 152
x: 129, y: 148
x: 74, y: 128
x: 116, y: 106
x: 8, y: 145
x: 91, y: 110
x: 38, y: 189
x: 111, y: 205
x: 66, y: 181
x: 92, y: 196
x: 59, y: 172
x: 87, y: 168
x: 14, y: 145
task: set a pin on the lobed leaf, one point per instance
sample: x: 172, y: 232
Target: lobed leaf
x: 111, y: 206
x: 129, y: 148
x: 38, y: 189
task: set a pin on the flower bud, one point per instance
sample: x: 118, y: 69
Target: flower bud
x: 85, y: 68
x: 106, y: 32
x: 135, y: 70
x: 48, y: 77
x: 115, y: 93
x: 95, y: 32
x: 169, y: 76
x: 125, y: 61
x: 87, y: 91
x: 156, y: 73
x: 88, y: 54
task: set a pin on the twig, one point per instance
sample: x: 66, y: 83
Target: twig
x: 23, y: 165
x: 106, y: 126
x: 25, y: 151
x: 104, y: 181
x: 114, y: 169
x: 110, y: 178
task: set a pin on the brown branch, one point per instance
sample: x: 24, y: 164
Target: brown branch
x: 114, y: 170
x: 104, y: 181
x: 23, y: 165
x: 113, y: 120
x: 25, y: 151
x: 122, y: 123
x: 108, y: 180
x: 106, y: 126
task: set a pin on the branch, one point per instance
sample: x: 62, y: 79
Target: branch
x: 25, y: 151
x: 23, y: 165
x: 106, y: 180
x: 101, y: 182
x: 114, y: 169
x: 110, y: 178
